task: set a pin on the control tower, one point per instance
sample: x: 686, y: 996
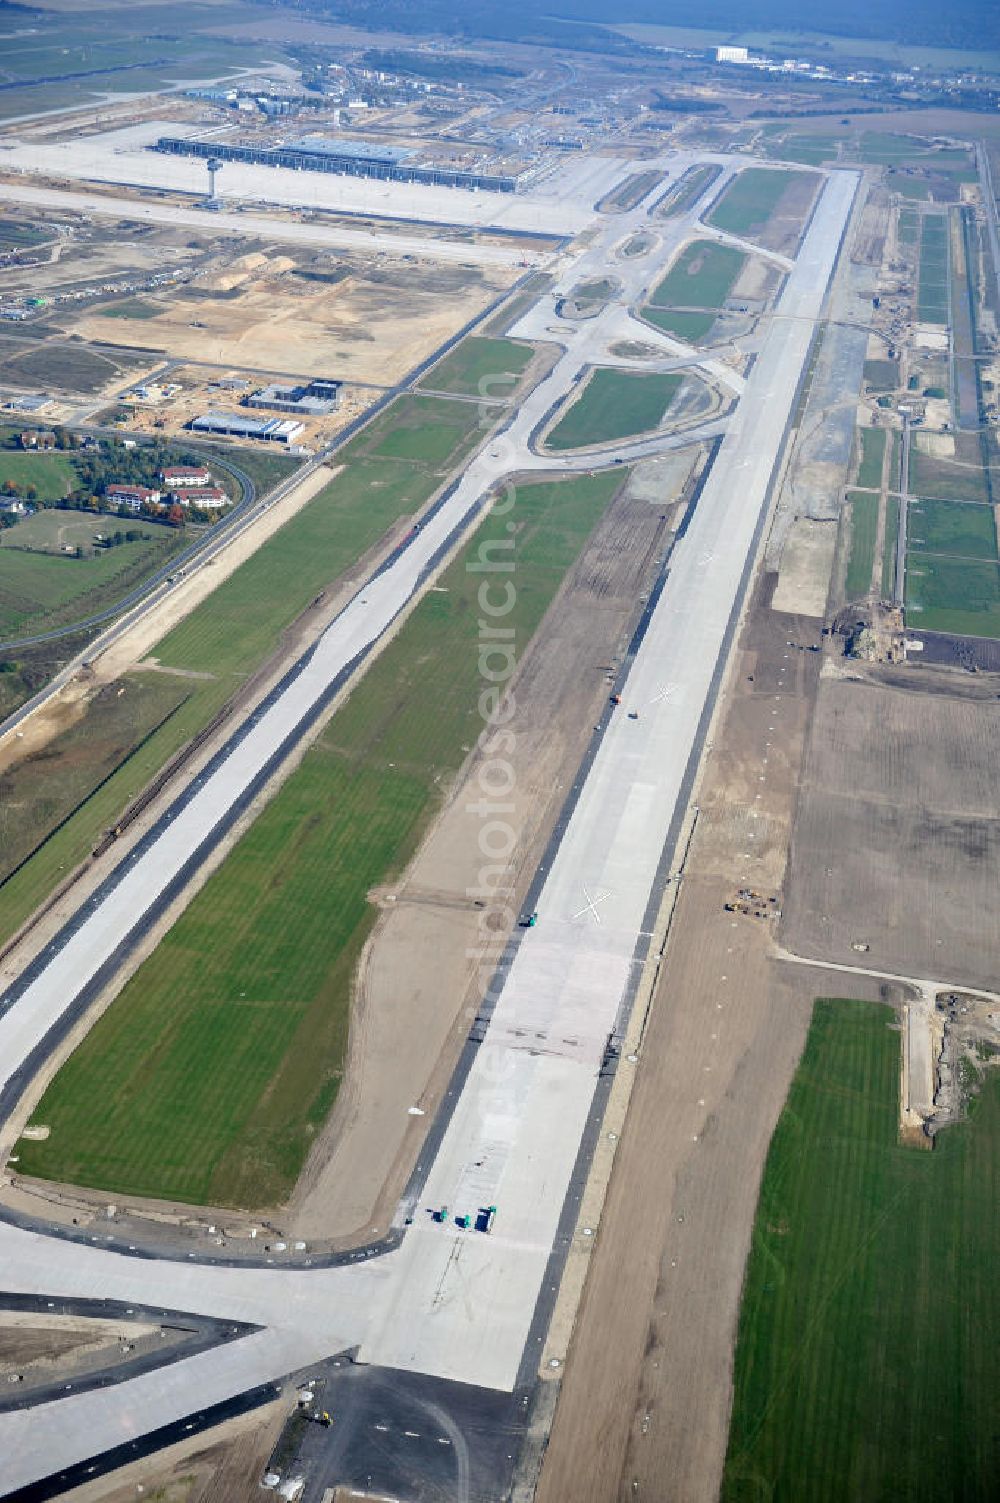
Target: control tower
x: 214, y: 166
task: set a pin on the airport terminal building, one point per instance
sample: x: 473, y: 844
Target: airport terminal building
x: 350, y: 158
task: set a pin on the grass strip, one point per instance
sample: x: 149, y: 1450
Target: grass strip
x: 861, y: 560
x: 889, y: 547
x: 872, y: 455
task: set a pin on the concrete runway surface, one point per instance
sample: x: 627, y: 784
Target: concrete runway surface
x: 444, y: 1303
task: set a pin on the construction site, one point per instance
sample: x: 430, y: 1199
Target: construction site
x: 705, y: 799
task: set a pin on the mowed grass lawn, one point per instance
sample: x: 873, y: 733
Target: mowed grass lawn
x: 866, y: 1364
x: 614, y: 404
x: 208, y: 1078
x: 952, y: 595
x: 811, y: 151
x: 861, y: 559
x: 960, y: 528
x: 889, y: 548
x: 40, y: 590
x: 872, y: 455
x: 932, y: 294
x: 685, y: 191
x: 702, y: 277
x: 958, y: 478
x: 231, y: 632
x: 750, y: 199
x: 480, y: 366
x: 51, y: 472
x: 681, y: 322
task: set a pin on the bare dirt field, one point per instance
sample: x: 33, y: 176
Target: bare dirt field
x: 372, y: 324
x: 644, y: 1407
x: 806, y: 566
x: 421, y: 972
x: 898, y: 828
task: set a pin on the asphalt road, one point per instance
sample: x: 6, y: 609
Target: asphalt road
x: 443, y: 1304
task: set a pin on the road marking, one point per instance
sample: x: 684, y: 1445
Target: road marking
x: 591, y: 904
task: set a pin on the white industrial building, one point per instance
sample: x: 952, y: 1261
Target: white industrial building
x: 268, y: 430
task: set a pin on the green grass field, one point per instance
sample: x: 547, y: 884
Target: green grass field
x: 481, y: 367
x: 16, y: 232
x: 685, y: 191
x: 614, y: 404
x: 908, y: 226
x: 681, y: 322
x: 889, y: 550
x: 882, y: 375
x: 750, y: 200
x: 38, y: 794
x: 861, y: 559
x: 950, y: 478
x: 515, y: 307
x: 39, y: 591
x: 208, y: 1078
x: 56, y: 528
x: 950, y: 595
x: 895, y: 459
x: 702, y: 277
x: 630, y: 192
x: 156, y: 44
x: 810, y: 151
x: 871, y: 458
x: 913, y: 188
x: 883, y: 149
x: 235, y: 629
x: 264, y: 468
x: 866, y: 1359
x: 956, y: 527
x: 52, y: 474
x: 932, y: 294
x: 134, y: 307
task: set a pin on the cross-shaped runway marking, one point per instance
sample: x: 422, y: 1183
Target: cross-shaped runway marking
x: 591, y: 904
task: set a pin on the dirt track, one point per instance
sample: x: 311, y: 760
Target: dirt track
x: 644, y: 1407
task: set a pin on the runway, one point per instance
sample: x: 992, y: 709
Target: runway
x: 449, y: 1304
x: 272, y: 228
